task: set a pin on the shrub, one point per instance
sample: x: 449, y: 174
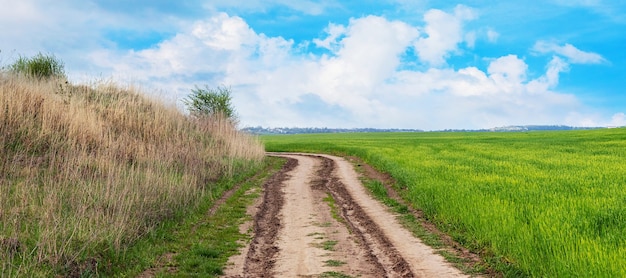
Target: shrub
x: 211, y: 102
x: 39, y: 66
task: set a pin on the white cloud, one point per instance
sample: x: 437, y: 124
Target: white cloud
x: 360, y: 83
x: 470, y: 39
x: 618, y: 119
x: 334, y: 32
x: 555, y: 67
x: 222, y: 32
x: 596, y: 119
x: 492, y: 35
x: 375, y: 71
x: 573, y: 54
x: 444, y: 32
x: 508, y: 69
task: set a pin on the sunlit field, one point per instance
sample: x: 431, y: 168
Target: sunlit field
x: 551, y: 204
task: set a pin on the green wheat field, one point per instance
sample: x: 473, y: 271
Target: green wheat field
x: 549, y: 204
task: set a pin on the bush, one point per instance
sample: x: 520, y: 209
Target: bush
x: 211, y: 102
x: 39, y: 66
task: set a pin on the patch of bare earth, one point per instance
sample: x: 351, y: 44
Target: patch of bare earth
x: 317, y: 220
x: 259, y: 258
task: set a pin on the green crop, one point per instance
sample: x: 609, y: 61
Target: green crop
x: 552, y: 204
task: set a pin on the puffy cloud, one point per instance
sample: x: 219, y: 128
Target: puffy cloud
x: 618, y: 119
x: 359, y: 82
x: 596, y: 119
x: 471, y: 97
x: 444, y: 32
x: 509, y: 69
x: 224, y: 33
x: 368, y: 54
x: 573, y: 54
x: 555, y: 67
x: 334, y: 33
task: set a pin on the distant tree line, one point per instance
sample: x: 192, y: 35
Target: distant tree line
x: 304, y: 130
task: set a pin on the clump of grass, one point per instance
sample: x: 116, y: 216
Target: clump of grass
x: 40, y: 66
x: 334, y: 274
x: 334, y: 263
x: 328, y: 245
x: 89, y: 171
x: 333, y: 208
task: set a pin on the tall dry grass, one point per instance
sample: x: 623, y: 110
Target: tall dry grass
x: 88, y: 169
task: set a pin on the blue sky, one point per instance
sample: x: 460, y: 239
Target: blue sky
x: 388, y: 64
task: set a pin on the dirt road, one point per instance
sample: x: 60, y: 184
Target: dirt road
x: 316, y: 220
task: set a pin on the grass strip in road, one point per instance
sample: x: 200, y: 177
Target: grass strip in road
x: 334, y: 211
x: 201, y: 243
x: 334, y: 274
x: 334, y: 263
x: 328, y: 245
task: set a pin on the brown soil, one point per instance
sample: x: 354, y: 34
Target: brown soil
x: 316, y: 220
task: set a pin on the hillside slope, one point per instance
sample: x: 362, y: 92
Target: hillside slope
x: 88, y: 169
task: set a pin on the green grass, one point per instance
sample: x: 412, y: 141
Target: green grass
x: 333, y: 208
x: 414, y: 225
x: 87, y: 172
x: 39, y: 66
x: 334, y: 263
x: 200, y: 244
x: 334, y: 274
x: 328, y: 245
x: 547, y: 203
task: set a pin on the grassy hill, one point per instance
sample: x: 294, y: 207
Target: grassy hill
x: 85, y: 170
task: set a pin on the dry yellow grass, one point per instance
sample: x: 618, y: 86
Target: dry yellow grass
x: 88, y: 169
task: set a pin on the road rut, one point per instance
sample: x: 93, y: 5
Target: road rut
x: 317, y: 220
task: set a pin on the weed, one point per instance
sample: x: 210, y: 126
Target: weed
x: 328, y: 245
x: 323, y: 225
x: 315, y: 234
x: 333, y: 208
x: 334, y: 263
x: 334, y: 274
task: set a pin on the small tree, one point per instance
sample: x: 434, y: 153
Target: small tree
x: 39, y: 66
x: 211, y: 102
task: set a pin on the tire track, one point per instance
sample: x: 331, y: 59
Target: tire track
x: 261, y: 254
x: 380, y: 250
x: 317, y: 200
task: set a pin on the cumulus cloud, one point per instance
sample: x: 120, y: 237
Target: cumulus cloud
x: 334, y: 32
x: 444, y: 31
x: 508, y: 69
x: 618, y: 119
x: 224, y: 33
x: 360, y: 81
x: 573, y: 54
